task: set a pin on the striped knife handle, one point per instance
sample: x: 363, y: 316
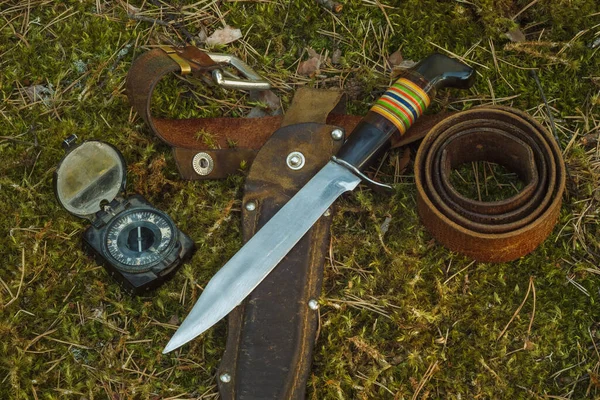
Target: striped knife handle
x: 401, y: 105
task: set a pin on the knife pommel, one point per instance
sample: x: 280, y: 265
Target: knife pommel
x: 401, y: 105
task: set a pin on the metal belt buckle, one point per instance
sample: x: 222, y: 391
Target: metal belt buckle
x: 252, y: 81
x: 222, y: 77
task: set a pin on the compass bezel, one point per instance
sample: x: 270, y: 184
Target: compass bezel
x: 110, y: 234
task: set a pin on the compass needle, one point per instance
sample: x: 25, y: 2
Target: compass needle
x: 139, y: 229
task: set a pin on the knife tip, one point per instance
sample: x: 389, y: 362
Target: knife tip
x: 169, y: 347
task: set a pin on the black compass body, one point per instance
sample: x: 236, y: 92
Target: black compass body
x: 139, y: 245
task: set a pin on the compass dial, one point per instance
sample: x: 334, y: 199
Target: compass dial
x: 139, y: 239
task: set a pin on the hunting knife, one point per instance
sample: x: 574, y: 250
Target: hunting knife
x: 392, y: 114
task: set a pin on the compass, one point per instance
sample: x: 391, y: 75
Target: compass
x: 138, y: 239
x: 139, y: 245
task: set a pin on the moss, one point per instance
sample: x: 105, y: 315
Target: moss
x: 396, y: 305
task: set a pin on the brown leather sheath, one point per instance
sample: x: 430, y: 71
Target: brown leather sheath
x: 272, y: 334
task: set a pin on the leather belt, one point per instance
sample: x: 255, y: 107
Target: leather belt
x: 230, y: 142
x: 495, y: 231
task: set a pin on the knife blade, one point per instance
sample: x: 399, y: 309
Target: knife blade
x: 392, y: 114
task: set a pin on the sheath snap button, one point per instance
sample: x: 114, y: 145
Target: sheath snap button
x: 203, y: 163
x: 295, y: 160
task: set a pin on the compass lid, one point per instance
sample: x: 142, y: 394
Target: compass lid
x: 91, y: 174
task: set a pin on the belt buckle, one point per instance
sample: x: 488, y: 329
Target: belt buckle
x: 250, y: 81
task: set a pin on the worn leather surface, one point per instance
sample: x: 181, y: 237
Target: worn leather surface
x: 490, y: 231
x: 272, y: 334
x: 233, y: 141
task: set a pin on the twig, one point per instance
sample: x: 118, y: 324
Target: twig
x: 449, y: 279
x: 176, y: 25
x: 151, y: 20
x: 518, y: 309
x: 331, y: 5
x: 22, y: 278
x: 426, y: 377
x: 533, y: 311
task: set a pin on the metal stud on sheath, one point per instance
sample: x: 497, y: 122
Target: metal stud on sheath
x: 203, y: 163
x: 337, y: 134
x: 295, y: 160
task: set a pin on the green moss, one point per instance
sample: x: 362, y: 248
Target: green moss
x: 395, y: 303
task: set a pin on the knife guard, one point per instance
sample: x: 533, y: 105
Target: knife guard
x: 272, y: 333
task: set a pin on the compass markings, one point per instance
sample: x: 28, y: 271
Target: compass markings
x: 160, y: 228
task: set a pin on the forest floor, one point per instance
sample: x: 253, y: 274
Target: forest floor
x: 401, y: 317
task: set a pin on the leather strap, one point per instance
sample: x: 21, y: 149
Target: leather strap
x: 490, y: 231
x: 231, y: 143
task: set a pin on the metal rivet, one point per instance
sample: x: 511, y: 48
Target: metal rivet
x: 327, y: 213
x: 313, y: 304
x: 203, y: 163
x: 225, y: 378
x: 295, y: 160
x: 337, y: 134
x: 250, y: 206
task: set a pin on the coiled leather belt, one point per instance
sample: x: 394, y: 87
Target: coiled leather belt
x: 490, y: 231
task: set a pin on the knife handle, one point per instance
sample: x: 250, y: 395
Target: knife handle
x: 401, y: 105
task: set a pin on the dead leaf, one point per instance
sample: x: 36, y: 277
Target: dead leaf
x: 39, y: 93
x: 395, y: 58
x: 309, y: 67
x: 174, y: 320
x: 385, y: 225
x: 515, y: 35
x: 256, y: 112
x: 312, y: 53
x: 589, y: 140
x: 272, y: 101
x: 224, y: 36
x: 202, y: 35
x: 406, y: 64
x: 528, y: 345
x: 403, y: 66
x: 336, y: 57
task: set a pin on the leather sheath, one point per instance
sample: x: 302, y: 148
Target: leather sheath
x: 495, y: 231
x: 231, y: 143
x: 272, y: 334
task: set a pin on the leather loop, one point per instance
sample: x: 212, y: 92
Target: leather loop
x: 490, y: 231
